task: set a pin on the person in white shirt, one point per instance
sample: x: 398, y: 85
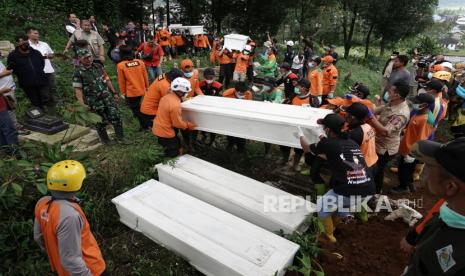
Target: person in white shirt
x: 71, y: 25
x: 298, y: 64
x: 47, y: 53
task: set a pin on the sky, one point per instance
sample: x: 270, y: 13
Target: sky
x: 451, y: 4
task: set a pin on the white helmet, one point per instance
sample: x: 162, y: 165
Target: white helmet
x: 181, y: 84
x: 447, y: 65
x: 290, y: 43
x: 248, y: 48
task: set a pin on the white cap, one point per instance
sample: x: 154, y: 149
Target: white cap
x: 181, y: 84
x: 290, y: 43
x: 248, y: 48
x: 448, y: 65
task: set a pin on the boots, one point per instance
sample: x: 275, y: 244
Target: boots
x: 418, y: 171
x: 103, y: 135
x: 329, y: 229
x: 120, y: 135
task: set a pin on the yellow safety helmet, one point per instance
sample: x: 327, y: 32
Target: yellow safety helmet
x: 442, y: 75
x: 66, y: 176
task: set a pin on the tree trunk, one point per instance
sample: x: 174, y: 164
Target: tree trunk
x: 348, y: 43
x: 382, y: 46
x: 367, y: 40
x: 168, y: 19
x: 218, y: 15
x: 302, y: 15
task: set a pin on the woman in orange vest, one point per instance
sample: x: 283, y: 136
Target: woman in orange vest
x: 61, y: 227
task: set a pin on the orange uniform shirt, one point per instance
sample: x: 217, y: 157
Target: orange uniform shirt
x: 301, y: 101
x: 231, y: 93
x: 330, y: 75
x: 48, y: 217
x: 368, y: 146
x: 164, y: 38
x: 223, y: 58
x: 419, y: 128
x: 242, y: 61
x: 173, y: 41
x: 156, y: 91
x: 168, y: 117
x: 202, y: 41
x: 179, y: 40
x: 316, y: 82
x: 195, y: 85
x: 132, y: 78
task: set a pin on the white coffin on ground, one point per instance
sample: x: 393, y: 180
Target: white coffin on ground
x: 260, y: 121
x: 235, y: 41
x: 234, y: 193
x: 214, y: 241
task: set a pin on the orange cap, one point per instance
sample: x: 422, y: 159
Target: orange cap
x: 186, y: 63
x: 437, y: 68
x: 327, y: 59
x: 338, y: 101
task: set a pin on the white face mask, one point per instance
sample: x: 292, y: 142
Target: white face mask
x: 310, y: 65
x: 209, y: 81
x: 240, y: 95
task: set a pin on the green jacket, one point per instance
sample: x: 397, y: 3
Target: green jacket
x: 275, y: 96
x: 267, y: 67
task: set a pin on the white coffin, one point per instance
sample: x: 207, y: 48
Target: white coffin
x: 235, y: 41
x: 175, y: 26
x: 194, y: 30
x: 236, y: 194
x: 214, y: 241
x: 260, y: 121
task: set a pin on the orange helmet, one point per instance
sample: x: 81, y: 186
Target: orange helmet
x: 186, y: 63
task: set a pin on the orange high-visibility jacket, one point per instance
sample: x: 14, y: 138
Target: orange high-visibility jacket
x: 169, y: 117
x: 132, y: 78
x: 156, y: 91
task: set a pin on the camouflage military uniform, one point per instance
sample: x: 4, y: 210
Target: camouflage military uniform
x: 96, y: 95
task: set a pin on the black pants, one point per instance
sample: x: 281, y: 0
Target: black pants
x: 458, y: 131
x: 405, y: 172
x: 381, y: 164
x: 236, y: 141
x: 324, y: 99
x: 226, y: 74
x: 315, y: 163
x: 40, y: 96
x: 148, y: 120
x: 134, y: 105
x: 250, y: 73
x: 171, y: 146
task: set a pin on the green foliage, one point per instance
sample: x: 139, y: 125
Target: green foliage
x: 77, y: 114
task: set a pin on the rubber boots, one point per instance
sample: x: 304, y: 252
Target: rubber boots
x: 103, y: 135
x: 418, y: 171
x: 329, y: 229
x: 362, y: 215
x: 120, y: 135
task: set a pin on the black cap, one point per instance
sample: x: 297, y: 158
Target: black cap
x: 395, y: 53
x: 286, y: 66
x: 450, y: 156
x: 358, y: 110
x: 240, y: 86
x: 436, y: 85
x: 422, y: 98
x: 208, y: 72
x: 362, y: 88
x: 305, y: 83
x: 332, y: 121
x: 316, y: 59
x: 173, y: 74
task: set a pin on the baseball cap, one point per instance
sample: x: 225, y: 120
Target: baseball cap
x: 209, y: 72
x: 83, y: 52
x: 422, y: 98
x: 186, y: 63
x: 316, y: 59
x: 442, y: 75
x: 332, y: 121
x: 435, y: 85
x: 327, y: 59
x: 360, y: 87
x: 358, y: 110
x: 450, y: 156
x: 305, y: 83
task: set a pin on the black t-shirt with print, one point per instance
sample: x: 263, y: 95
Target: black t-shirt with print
x: 347, y: 165
x: 356, y: 134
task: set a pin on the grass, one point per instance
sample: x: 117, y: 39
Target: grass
x: 118, y: 169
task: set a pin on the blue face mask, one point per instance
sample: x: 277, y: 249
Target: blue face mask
x: 430, y: 75
x: 460, y: 90
x: 310, y: 65
x: 416, y: 107
x: 451, y: 218
x: 386, y: 97
x: 297, y: 90
x: 188, y: 74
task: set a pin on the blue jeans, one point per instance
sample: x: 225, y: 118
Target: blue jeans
x: 8, y: 133
x: 153, y: 72
x: 337, y: 201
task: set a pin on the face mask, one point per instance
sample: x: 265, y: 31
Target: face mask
x: 209, y: 81
x: 297, y: 90
x: 386, y: 97
x: 430, y: 75
x: 240, y: 95
x: 416, y: 107
x: 451, y: 218
x: 460, y: 90
x: 188, y: 74
x: 245, y: 52
x: 310, y: 65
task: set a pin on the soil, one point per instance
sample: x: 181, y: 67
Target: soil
x: 370, y: 248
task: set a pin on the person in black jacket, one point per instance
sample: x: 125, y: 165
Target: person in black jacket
x: 28, y: 66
